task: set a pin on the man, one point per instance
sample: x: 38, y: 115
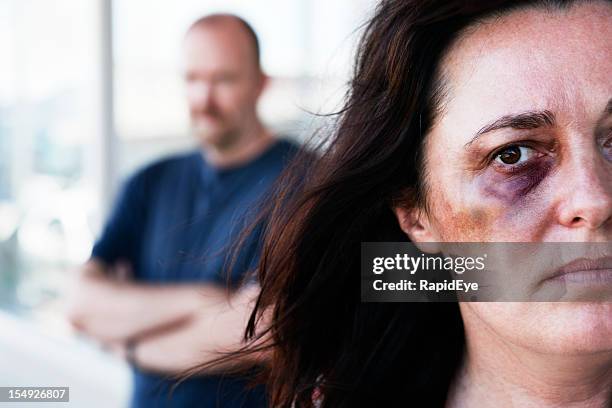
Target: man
x: 176, y: 223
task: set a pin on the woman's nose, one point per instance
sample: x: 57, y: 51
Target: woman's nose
x: 587, y: 201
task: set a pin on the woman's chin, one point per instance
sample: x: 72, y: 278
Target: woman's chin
x: 560, y: 328
x: 581, y: 327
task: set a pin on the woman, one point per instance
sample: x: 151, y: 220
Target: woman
x: 486, y: 121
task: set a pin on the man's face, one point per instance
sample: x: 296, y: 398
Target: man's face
x: 223, y: 82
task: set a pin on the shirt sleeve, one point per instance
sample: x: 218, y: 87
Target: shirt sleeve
x: 122, y: 235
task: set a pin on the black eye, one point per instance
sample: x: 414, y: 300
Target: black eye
x: 607, y: 148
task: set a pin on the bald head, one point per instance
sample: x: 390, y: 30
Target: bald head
x: 230, y: 22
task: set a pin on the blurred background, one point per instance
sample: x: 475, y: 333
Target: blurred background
x: 91, y: 90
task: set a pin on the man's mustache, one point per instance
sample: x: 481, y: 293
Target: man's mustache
x: 207, y: 113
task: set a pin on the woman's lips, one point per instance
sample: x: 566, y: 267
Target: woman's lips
x: 585, y: 271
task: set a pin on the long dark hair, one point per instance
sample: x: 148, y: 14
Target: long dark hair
x: 322, y: 339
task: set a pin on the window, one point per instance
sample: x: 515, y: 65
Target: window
x: 49, y: 86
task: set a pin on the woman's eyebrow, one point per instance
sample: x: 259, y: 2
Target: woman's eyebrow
x: 525, y: 120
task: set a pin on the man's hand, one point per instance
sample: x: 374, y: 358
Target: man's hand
x: 118, y: 349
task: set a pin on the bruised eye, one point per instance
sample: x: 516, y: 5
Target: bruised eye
x: 514, y: 155
x: 607, y: 147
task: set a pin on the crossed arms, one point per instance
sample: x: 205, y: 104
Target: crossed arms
x: 172, y: 327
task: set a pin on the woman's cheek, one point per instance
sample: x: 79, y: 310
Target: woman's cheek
x: 468, y: 219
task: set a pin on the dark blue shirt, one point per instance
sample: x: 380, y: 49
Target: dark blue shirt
x: 177, y: 220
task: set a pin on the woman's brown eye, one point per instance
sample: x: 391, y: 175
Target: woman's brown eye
x: 514, y: 155
x: 510, y: 155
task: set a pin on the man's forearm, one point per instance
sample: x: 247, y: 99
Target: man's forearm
x: 110, y: 310
x: 214, y: 331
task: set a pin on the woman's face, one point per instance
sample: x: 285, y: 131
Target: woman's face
x: 522, y: 152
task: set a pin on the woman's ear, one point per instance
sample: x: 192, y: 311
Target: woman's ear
x: 416, y: 225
